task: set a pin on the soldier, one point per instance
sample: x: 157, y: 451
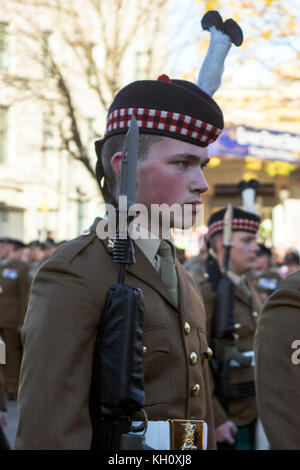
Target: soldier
x: 49, y: 247
x: 292, y: 262
x: 35, y: 258
x: 266, y: 278
x: 234, y: 422
x: 18, y: 252
x: 196, y: 264
x: 13, y: 304
x: 277, y: 357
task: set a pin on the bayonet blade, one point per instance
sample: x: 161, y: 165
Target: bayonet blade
x: 129, y: 162
x: 227, y: 231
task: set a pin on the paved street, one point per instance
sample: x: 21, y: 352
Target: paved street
x: 10, y: 430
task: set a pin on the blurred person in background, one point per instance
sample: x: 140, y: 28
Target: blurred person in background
x: 263, y: 259
x: 196, y: 264
x: 291, y: 262
x: 18, y: 251
x: 266, y: 277
x: 35, y: 257
x: 180, y: 255
x: 13, y: 304
x: 49, y: 247
x: 235, y: 411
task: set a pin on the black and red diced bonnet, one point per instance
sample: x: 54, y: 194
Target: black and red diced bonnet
x: 173, y: 108
x: 242, y: 221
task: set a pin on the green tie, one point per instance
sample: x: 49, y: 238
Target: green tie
x: 245, y: 289
x: 167, y: 269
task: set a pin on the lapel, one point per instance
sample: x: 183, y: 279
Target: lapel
x: 144, y: 271
x: 241, y: 296
x: 183, y: 287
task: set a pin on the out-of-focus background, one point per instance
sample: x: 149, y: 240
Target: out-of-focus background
x: 61, y: 63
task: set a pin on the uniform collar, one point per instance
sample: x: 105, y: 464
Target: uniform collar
x: 149, y: 244
x: 236, y: 279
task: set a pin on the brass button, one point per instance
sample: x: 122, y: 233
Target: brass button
x: 209, y: 352
x: 187, y: 328
x: 193, y: 358
x: 145, y: 349
x: 237, y: 326
x: 86, y: 232
x: 195, y: 390
x: 1, y: 290
x: 206, y: 276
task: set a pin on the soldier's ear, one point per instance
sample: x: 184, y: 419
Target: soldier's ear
x: 219, y: 244
x: 116, y: 163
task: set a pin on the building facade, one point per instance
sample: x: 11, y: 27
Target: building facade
x: 59, y: 73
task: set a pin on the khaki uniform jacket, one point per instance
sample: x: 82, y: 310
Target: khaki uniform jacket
x: 66, y: 302
x: 277, y: 355
x: 13, y: 293
x: 241, y: 411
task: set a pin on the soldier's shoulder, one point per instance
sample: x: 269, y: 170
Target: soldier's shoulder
x: 87, y: 242
x: 291, y: 282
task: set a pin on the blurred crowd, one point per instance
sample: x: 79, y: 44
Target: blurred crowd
x: 19, y: 263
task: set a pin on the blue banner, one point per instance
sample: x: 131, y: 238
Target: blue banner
x: 244, y: 141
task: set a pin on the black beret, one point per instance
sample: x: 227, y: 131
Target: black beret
x: 263, y: 250
x: 50, y: 242
x: 291, y: 258
x: 242, y: 221
x: 18, y: 244
x: 7, y: 240
x: 172, y: 108
x: 35, y: 243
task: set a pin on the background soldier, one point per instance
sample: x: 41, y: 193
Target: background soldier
x: 277, y: 358
x: 235, y: 425
x: 35, y: 257
x: 13, y: 303
x: 266, y: 278
x: 292, y: 262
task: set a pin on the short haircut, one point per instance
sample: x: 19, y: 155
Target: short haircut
x: 113, y: 145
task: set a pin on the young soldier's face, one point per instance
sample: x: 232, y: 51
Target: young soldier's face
x: 243, y: 251
x: 261, y: 263
x: 172, y: 174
